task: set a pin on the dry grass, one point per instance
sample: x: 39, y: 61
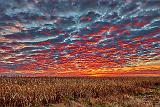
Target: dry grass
x: 80, y: 92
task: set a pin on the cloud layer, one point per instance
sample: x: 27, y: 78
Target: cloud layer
x: 61, y: 36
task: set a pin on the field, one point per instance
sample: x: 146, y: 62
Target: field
x: 80, y: 92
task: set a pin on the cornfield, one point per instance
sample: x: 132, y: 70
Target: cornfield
x: 80, y: 92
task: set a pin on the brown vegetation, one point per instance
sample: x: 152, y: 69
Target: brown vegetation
x: 80, y: 92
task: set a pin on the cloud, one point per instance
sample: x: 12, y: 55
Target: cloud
x: 78, y: 34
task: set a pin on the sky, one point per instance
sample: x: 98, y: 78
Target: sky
x: 80, y: 37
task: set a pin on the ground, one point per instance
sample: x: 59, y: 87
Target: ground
x: 80, y: 92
